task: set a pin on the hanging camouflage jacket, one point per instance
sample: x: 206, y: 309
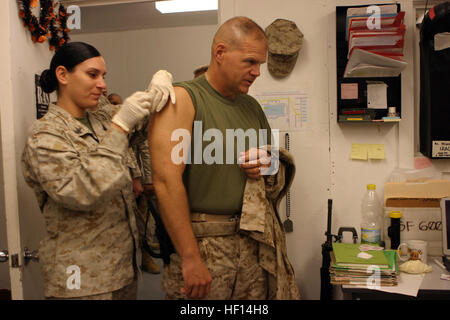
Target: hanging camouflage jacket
x: 261, y: 221
x: 83, y: 187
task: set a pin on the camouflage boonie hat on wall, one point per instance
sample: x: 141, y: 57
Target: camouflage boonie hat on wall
x: 284, y: 41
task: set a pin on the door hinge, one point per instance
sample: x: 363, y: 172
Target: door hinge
x: 14, y: 261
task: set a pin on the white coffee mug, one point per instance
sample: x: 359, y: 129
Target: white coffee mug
x: 415, y: 250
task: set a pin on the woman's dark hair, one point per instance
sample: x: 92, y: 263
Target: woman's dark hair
x: 69, y: 55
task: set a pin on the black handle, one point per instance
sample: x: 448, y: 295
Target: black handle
x: 347, y: 229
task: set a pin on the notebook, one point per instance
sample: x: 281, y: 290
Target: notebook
x: 346, y: 254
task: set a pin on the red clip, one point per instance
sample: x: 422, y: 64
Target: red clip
x: 431, y: 13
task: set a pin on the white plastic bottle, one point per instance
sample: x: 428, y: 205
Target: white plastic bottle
x: 371, y: 219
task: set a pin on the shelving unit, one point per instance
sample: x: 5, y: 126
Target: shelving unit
x: 344, y: 105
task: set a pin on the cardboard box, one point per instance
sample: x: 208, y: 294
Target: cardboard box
x: 426, y: 191
x: 421, y: 213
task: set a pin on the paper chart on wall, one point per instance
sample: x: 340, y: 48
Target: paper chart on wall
x: 285, y: 111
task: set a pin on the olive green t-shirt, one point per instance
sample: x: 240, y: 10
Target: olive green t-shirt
x: 86, y: 122
x: 222, y: 129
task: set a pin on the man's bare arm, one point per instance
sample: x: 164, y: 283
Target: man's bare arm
x: 171, y: 193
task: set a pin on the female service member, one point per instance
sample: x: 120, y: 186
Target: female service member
x: 76, y: 166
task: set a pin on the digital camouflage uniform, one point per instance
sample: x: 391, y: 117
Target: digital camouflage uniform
x: 104, y: 114
x: 261, y: 221
x: 83, y: 187
x: 139, y: 145
x: 139, y: 162
x: 129, y: 292
x: 233, y: 265
x: 246, y: 256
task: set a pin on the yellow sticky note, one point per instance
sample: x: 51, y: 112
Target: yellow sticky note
x: 376, y: 151
x: 359, y: 151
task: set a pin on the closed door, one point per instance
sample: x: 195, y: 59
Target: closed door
x: 20, y: 220
x: 5, y: 286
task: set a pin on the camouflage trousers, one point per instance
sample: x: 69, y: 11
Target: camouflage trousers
x: 232, y: 261
x: 129, y: 292
x: 144, y: 219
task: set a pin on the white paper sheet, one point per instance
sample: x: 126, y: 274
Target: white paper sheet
x: 408, y: 284
x: 441, y: 41
x: 363, y: 63
x: 377, y: 96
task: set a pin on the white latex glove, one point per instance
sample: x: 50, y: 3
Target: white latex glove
x: 160, y: 88
x: 135, y: 108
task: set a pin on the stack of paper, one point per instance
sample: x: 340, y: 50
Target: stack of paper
x: 365, y: 63
x: 356, y: 264
x: 389, y: 10
x: 375, y: 42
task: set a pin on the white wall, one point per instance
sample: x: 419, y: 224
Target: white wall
x: 132, y: 57
x: 128, y: 71
x: 322, y: 151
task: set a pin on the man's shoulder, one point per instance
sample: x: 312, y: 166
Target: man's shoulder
x: 182, y: 95
x: 186, y: 83
x: 183, y: 107
x: 184, y: 91
x: 192, y: 84
x: 183, y: 83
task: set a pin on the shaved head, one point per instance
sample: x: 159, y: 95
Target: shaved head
x: 239, y: 48
x: 233, y: 31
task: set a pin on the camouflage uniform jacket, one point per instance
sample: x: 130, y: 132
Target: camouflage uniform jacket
x: 139, y: 144
x: 261, y: 221
x: 104, y: 113
x: 83, y: 187
x: 139, y: 160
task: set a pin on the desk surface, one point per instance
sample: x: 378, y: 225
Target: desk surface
x: 431, y: 282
